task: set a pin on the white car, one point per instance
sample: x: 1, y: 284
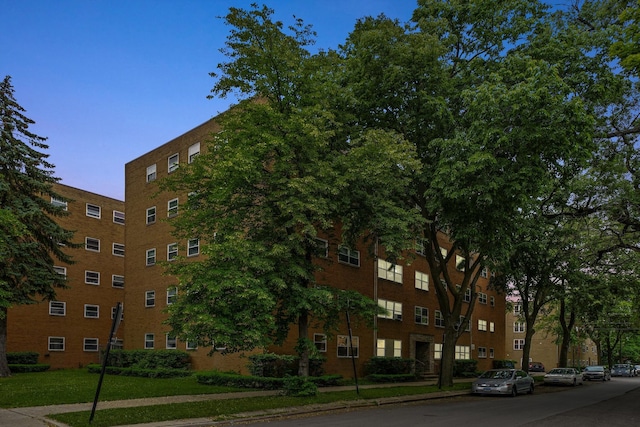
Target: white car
x: 563, y: 376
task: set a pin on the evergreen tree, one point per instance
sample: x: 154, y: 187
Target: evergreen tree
x: 31, y: 239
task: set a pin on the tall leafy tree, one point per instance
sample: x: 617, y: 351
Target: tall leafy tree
x: 279, y: 175
x: 32, y: 239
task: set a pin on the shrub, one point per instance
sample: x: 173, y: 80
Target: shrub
x: 149, y: 359
x: 31, y: 367
x: 282, y: 365
x: 242, y: 381
x: 299, y: 387
x: 140, y: 372
x: 389, y: 366
x: 22, y: 358
x: 394, y: 378
x: 504, y: 364
x: 465, y: 368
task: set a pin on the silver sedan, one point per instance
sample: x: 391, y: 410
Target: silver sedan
x: 564, y: 376
x: 503, y: 381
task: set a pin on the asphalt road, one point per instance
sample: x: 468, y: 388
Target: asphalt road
x: 596, y: 404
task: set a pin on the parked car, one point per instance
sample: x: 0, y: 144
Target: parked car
x: 503, y: 381
x: 536, y: 367
x: 565, y: 376
x: 596, y: 372
x: 636, y: 369
x: 622, y: 370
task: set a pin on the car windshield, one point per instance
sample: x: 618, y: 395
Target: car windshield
x: 497, y: 375
x: 560, y: 371
x: 620, y: 366
x: 594, y: 369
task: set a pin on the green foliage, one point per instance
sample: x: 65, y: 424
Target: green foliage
x: 30, y: 367
x: 465, y: 368
x: 149, y: 359
x: 140, y: 372
x: 499, y: 364
x: 281, y: 365
x: 23, y: 357
x: 627, y: 48
x: 391, y: 378
x: 243, y: 381
x: 299, y: 387
x: 389, y: 366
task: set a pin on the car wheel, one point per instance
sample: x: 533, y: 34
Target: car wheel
x: 531, y: 389
x: 574, y: 382
x: 604, y: 378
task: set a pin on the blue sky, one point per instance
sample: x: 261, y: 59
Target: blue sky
x: 109, y: 80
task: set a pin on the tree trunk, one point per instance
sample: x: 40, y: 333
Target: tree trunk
x: 448, y: 357
x: 303, y: 344
x: 4, y: 366
x: 526, y: 351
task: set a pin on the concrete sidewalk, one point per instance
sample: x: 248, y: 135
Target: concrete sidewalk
x: 37, y: 416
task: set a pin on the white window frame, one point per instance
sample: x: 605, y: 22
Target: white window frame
x: 394, y: 309
x: 349, y: 256
x: 322, y: 246
x: 438, y: 319
x: 517, y: 308
x: 90, y: 345
x: 383, y: 350
x: 56, y: 343
x: 92, y: 277
x: 172, y: 251
x: 492, y: 301
x: 467, y: 295
x: 171, y: 342
x: 90, y: 243
x: 518, y: 344
x: 172, y: 210
x: 421, y: 280
x: 173, y: 162
x: 152, y: 174
x: 60, y: 270
x: 463, y: 352
x: 437, y: 351
x: 150, y: 298
x: 389, y: 271
x: 320, y: 342
x: 482, y: 325
x: 343, y: 346
x: 519, y: 326
x: 492, y: 327
x: 190, y: 345
x: 91, y: 311
x: 113, y: 313
x: 193, y: 247
x: 492, y: 353
x: 482, y: 352
x: 118, y: 217
x: 150, y: 257
x: 57, y: 308
x: 194, y: 150
x: 93, y: 211
x: 151, y: 216
x: 117, y: 249
x: 482, y: 298
x: 59, y: 203
x: 460, y: 262
x: 149, y: 341
x: 421, y: 315
x: 117, y: 281
x: 172, y: 294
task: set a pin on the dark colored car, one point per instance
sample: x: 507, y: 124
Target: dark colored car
x: 536, y: 367
x: 597, y: 373
x: 622, y: 370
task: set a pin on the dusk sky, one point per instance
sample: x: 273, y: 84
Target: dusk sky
x: 109, y: 80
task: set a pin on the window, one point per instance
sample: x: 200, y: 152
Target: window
x: 151, y: 256
x: 172, y: 342
x: 193, y: 247
x: 482, y: 352
x: 113, y: 313
x: 57, y: 308
x: 172, y: 294
x: 492, y: 327
x: 118, y: 217
x: 389, y: 271
x: 91, y: 311
x: 151, y: 215
x: 467, y: 295
x: 463, y: 323
x: 90, y: 344
x: 517, y: 308
x: 422, y: 281
x: 59, y: 203
x: 172, y: 251
x: 389, y: 348
x: 439, y: 319
x: 437, y: 351
x: 483, y: 272
x: 60, y: 270
x: 191, y: 345
x: 482, y: 325
x: 194, y: 150
x: 320, y: 341
x: 93, y: 211
x: 149, y: 341
x: 422, y: 315
x: 322, y: 248
x: 491, y: 353
x: 460, y: 262
x: 420, y: 246
x: 56, y: 344
x: 518, y: 326
x: 150, y: 298
x: 118, y: 249
x: 518, y: 344
x: 151, y: 173
x: 349, y: 256
x: 92, y: 244
x: 492, y: 301
x: 463, y: 352
x: 91, y: 277
x: 482, y: 298
x: 173, y: 162
x: 443, y: 252
x: 394, y: 309
x: 172, y: 208
x: 117, y: 281
x: 347, y: 347
x: 117, y: 344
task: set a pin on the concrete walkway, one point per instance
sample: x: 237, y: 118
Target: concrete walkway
x: 37, y: 416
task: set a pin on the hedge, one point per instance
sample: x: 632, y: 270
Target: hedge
x: 140, y: 372
x: 501, y: 364
x: 149, y: 359
x: 266, y: 383
x: 22, y: 358
x: 282, y: 365
x: 31, y: 367
x: 389, y: 366
x: 465, y: 368
x: 394, y: 378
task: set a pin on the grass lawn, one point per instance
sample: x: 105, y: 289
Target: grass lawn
x: 79, y: 386
x: 225, y: 409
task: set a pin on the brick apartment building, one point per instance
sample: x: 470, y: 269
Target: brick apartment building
x: 544, y: 347
x: 413, y: 329
x: 68, y: 332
